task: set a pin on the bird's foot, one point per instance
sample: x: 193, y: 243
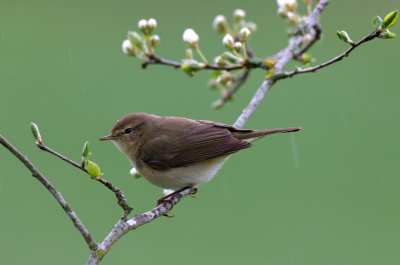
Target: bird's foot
x: 194, y: 191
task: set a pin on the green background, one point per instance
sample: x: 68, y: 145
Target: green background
x: 326, y: 195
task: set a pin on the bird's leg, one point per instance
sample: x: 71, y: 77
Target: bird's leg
x: 163, y: 199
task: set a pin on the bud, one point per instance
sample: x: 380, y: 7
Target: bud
x: 127, y: 48
x: 387, y: 35
x: 223, y: 78
x: 35, y: 131
x: 191, y: 38
x: 305, y: 58
x: 251, y: 26
x: 93, y: 169
x: 212, y: 83
x: 154, y: 40
x: 238, y: 47
x: 85, y: 151
x: 167, y: 192
x: 220, y: 25
x: 217, y: 104
x: 344, y: 37
x: 238, y: 15
x: 151, y: 24
x: 190, y: 67
x: 245, y: 34
x: 142, y: 25
x: 228, y: 41
x: 306, y: 38
x: 220, y: 61
x: 290, y: 5
x: 135, y: 173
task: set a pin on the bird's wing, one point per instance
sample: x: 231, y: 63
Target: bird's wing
x: 203, y: 141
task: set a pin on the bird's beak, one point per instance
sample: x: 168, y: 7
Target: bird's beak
x: 108, y: 137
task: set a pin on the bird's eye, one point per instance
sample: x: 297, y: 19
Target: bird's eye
x: 128, y: 131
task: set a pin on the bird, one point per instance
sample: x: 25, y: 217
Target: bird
x: 179, y: 153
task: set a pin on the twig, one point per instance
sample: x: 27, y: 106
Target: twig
x: 371, y: 36
x: 287, y: 55
x: 118, y: 193
x: 240, y: 79
x: 158, y: 60
x: 57, y: 195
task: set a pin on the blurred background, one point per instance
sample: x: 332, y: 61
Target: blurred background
x: 328, y: 194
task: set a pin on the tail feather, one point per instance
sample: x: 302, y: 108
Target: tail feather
x: 251, y: 136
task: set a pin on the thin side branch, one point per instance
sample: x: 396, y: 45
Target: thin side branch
x: 118, y: 193
x: 371, y: 36
x: 158, y: 60
x: 57, y: 195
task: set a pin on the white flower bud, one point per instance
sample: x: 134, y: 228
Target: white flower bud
x: 220, y: 61
x: 238, y: 47
x: 167, y: 192
x: 251, y: 26
x: 133, y: 171
x: 220, y: 25
x: 245, y: 33
x: 190, y: 37
x: 286, y: 5
x: 142, y: 24
x: 228, y: 41
x: 127, y: 47
x: 286, y: 2
x: 152, y: 23
x: 154, y: 40
x: 238, y: 14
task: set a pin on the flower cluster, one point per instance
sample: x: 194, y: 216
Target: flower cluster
x: 142, y: 45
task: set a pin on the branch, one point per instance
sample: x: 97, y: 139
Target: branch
x: 118, y: 193
x: 287, y: 55
x: 122, y: 227
x: 240, y: 79
x: 56, y: 194
x: 158, y: 60
x: 314, y: 69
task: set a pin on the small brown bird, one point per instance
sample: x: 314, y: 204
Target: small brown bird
x: 178, y: 153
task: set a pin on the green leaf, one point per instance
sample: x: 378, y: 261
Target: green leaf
x: 230, y: 57
x: 390, y: 19
x: 136, y: 40
x: 190, y: 66
x: 377, y: 21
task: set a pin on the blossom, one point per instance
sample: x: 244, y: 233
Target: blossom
x: 228, y: 41
x: 190, y: 37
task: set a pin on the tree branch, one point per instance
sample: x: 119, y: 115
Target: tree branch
x: 122, y: 227
x: 287, y: 55
x: 371, y: 36
x: 56, y: 194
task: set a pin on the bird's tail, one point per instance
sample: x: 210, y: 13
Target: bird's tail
x: 251, y: 136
